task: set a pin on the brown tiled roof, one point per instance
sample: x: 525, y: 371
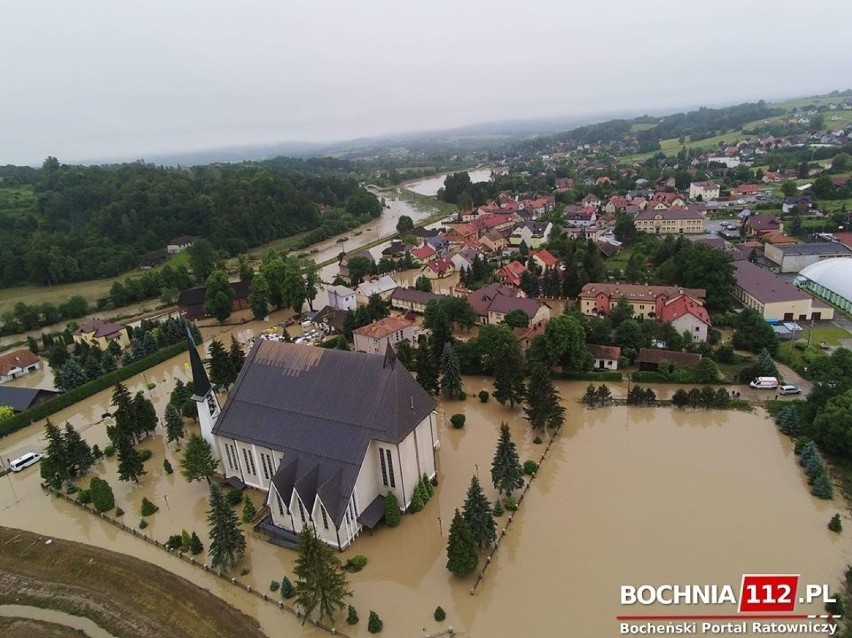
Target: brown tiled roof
x: 383, y: 327
x: 17, y: 359
x: 765, y: 286
x: 655, y: 355
x: 603, y: 352
x: 639, y: 292
x: 100, y: 328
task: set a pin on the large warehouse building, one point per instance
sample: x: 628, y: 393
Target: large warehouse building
x: 831, y: 280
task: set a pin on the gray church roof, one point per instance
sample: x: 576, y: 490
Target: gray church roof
x: 321, y: 408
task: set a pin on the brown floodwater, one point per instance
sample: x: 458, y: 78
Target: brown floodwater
x: 625, y: 496
x: 83, y: 625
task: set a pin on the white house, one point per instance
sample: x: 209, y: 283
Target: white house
x: 706, y: 190
x: 374, y: 338
x: 326, y: 433
x: 16, y: 364
x: 383, y: 286
x: 533, y: 234
x: 606, y: 357
x: 341, y: 297
x: 179, y: 244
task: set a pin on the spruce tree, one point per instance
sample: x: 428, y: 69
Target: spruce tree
x: 237, y: 358
x: 478, y: 515
x: 508, y: 371
x: 227, y: 543
x: 174, y: 424
x: 320, y: 577
x: 392, y: 511
x: 77, y: 451
x: 197, y: 461
x: 766, y: 365
x: 462, y: 554
x: 220, y: 364
x: 427, y: 372
x: 108, y: 362
x: 195, y: 546
x: 506, y: 470
x: 451, y: 379
x: 130, y: 465
x: 55, y: 465
x: 543, y: 408
x: 259, y: 296
x: 249, y: 511
x: 122, y: 414
x: 822, y: 487
x: 144, y: 416
x: 71, y: 376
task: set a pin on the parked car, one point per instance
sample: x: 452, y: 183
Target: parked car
x: 764, y: 383
x: 789, y: 389
x: 30, y: 458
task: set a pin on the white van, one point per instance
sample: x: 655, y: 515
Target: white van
x: 764, y: 383
x: 30, y: 458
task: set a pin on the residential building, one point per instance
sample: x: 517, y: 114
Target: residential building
x: 774, y: 297
x: 511, y: 273
x: 341, y: 297
x: 326, y: 433
x: 528, y: 333
x: 374, y: 338
x: 597, y: 299
x: 101, y: 333
x: 544, y: 259
x: 758, y: 224
x: 533, y: 234
x: 744, y: 190
x: 191, y: 300
x: 20, y: 399
x: 411, y: 299
x: 672, y: 221
x: 795, y: 257
x: 16, y: 364
x: 179, y: 244
x: 438, y: 268
x: 606, y: 357
x: 153, y: 259
x: 649, y: 359
x: 591, y: 200
x: 687, y: 316
x: 383, y: 286
x: 424, y: 253
x: 493, y: 302
x: 705, y: 190
x: 493, y: 240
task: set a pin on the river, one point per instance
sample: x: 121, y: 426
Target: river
x: 430, y: 185
x: 626, y: 496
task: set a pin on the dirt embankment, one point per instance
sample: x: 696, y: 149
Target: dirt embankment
x: 123, y: 595
x: 26, y: 628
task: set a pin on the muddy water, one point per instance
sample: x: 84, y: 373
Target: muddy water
x: 83, y: 625
x: 431, y: 185
x: 626, y: 496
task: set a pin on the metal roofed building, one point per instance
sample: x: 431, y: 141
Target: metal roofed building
x: 327, y: 433
x: 796, y: 257
x: 774, y: 297
x: 830, y: 279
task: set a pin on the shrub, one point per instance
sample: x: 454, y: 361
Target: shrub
x: 434, y: 481
x: 440, y: 614
x: 109, y: 451
x: 274, y: 586
x: 96, y: 452
x: 392, y: 514
x: 418, y: 499
x: 119, y: 511
x: 143, y: 524
x: 822, y: 487
x: 351, y: 616
x: 458, y: 421
x: 175, y: 542
x: 427, y: 486
x: 356, y: 563
x: 287, y: 589
x: 511, y: 504
x: 167, y: 467
x: 234, y: 498
x: 537, y: 440
x: 498, y: 508
x: 375, y: 624
x: 848, y: 573
x: 102, y: 497
x: 70, y: 488
x: 185, y: 539
x: 836, y: 608
x: 483, y: 396
x: 151, y: 386
x: 144, y: 454
x: 244, y: 570
x: 530, y: 467
x: 195, y: 545
x: 148, y: 507
x: 462, y: 395
x: 249, y: 511
x: 835, y: 524
x: 84, y: 497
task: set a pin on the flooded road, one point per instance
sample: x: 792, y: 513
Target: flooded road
x: 625, y: 496
x: 430, y: 186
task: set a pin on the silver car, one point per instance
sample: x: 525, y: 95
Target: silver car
x: 789, y: 389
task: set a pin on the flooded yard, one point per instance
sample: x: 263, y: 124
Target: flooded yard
x: 625, y: 496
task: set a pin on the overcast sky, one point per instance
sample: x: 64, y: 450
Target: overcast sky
x: 102, y: 79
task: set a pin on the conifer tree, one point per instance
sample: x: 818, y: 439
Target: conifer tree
x: 174, y: 424
x: 259, y: 296
x: 478, y: 515
x: 72, y: 375
x: 427, y: 485
x: 220, y: 364
x: 195, y: 545
x: 392, y: 511
x: 462, y: 555
x: 227, y: 543
x: 130, y: 465
x: 249, y: 510
x: 197, y: 461
x: 427, y: 372
x: 237, y: 358
x: 103, y: 499
x: 54, y: 466
x: 451, y: 379
x: 144, y: 416
x: 108, y: 362
x: 543, y: 408
x: 77, y: 451
x: 507, y: 474
x: 320, y: 577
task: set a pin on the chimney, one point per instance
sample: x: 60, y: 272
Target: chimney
x: 412, y: 401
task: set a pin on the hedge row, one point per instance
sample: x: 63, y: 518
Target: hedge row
x: 42, y: 410
x: 647, y: 376
x: 607, y: 375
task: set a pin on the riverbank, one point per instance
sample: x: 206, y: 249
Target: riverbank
x: 123, y: 595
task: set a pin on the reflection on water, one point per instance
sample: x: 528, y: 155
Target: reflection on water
x: 625, y: 496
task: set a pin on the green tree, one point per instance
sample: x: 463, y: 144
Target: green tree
x: 427, y: 371
x: 221, y: 366
x: 220, y: 294
x: 77, y: 451
x: 462, y: 554
x: 423, y: 283
x: 320, y: 577
x: 359, y: 267
x: 237, y: 358
x: 6, y: 412
x: 312, y: 280
x: 249, y: 511
x: 55, y: 465
x: 833, y: 425
x: 197, y: 461
x: 130, y: 464
x: 566, y: 343
x: 451, y: 379
x: 72, y: 375
x: 202, y: 258
x: 705, y: 371
x: 751, y: 332
x: 103, y: 499
x: 404, y: 225
x: 766, y: 364
x: 620, y: 312
x: 392, y: 511
x: 174, y: 424
x: 259, y: 296
x: 478, y: 515
x: 517, y: 319
x: 625, y: 229
x: 227, y: 542
x: 543, y: 408
x: 502, y: 356
x: 507, y: 474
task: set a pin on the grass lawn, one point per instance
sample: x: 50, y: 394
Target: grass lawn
x: 619, y: 260
x: 90, y: 290
x: 832, y: 335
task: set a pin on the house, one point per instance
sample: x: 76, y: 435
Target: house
x: 462, y: 233
x: 191, y: 300
x: 744, y: 190
x: 438, y: 243
x: 332, y: 318
x: 649, y: 359
x: 686, y: 315
x: 772, y: 177
x: 674, y: 221
x: 383, y: 286
x: 591, y: 200
x: 493, y: 302
x: 411, y: 299
x: 533, y: 234
x: 463, y: 259
x: 179, y: 244
x: 343, y: 265
x: 544, y: 259
x: 664, y: 199
x: 101, y: 333
x: 564, y: 184
x: 326, y: 433
x: 341, y: 297
x: 597, y: 299
x: 774, y: 297
x: 153, y: 259
x: 581, y: 216
x: 20, y: 399
x: 374, y: 338
x: 800, y: 203
x: 424, y: 253
x: 705, y: 190
x: 758, y: 224
x: 616, y: 203
x: 438, y: 268
x: 16, y: 364
x: 510, y: 274
x: 606, y: 357
x: 493, y: 240
x: 777, y: 238
x: 528, y: 333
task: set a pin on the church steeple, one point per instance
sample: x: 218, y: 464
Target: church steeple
x: 200, y: 382
x: 206, y: 401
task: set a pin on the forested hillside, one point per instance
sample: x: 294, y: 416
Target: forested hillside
x: 96, y: 221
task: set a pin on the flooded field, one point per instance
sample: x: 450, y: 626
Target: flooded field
x: 626, y: 496
x: 431, y: 185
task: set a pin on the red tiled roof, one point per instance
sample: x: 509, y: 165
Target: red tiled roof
x: 424, y: 252
x: 604, y: 352
x: 17, y: 359
x: 383, y: 327
x: 545, y: 257
x: 683, y: 305
x: 440, y: 266
x: 746, y: 189
x: 639, y: 292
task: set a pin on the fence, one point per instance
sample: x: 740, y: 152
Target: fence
x: 203, y: 566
